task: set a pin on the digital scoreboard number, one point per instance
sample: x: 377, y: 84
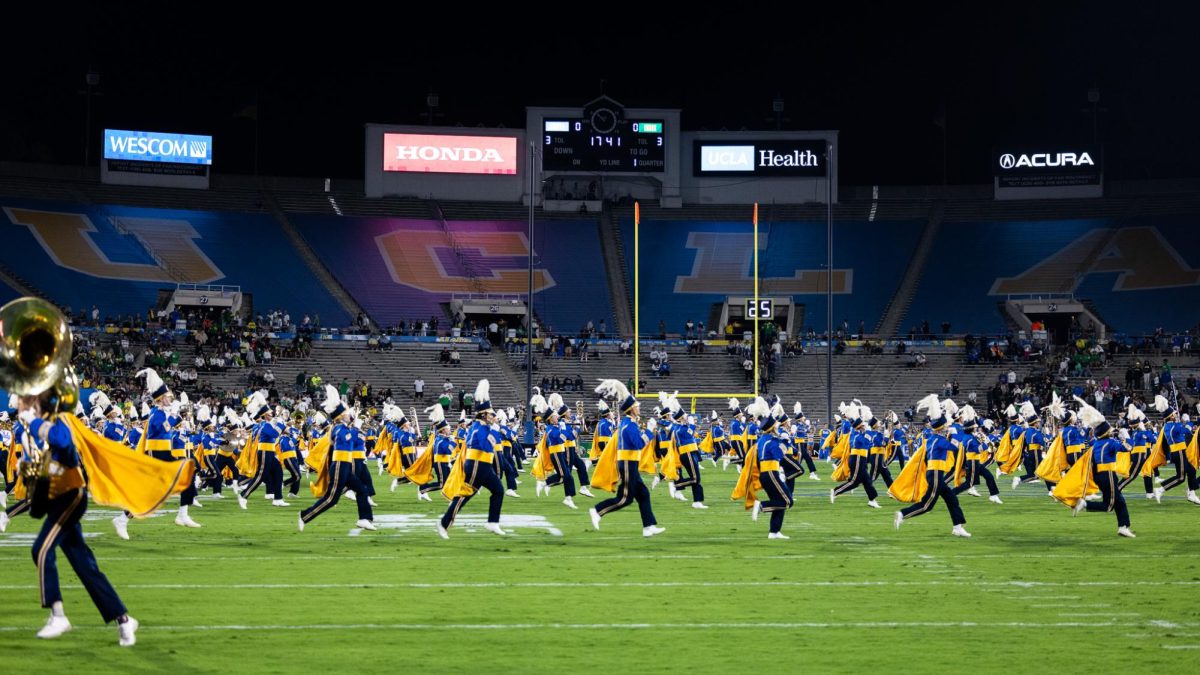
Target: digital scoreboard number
x: 603, y: 143
x: 763, y: 311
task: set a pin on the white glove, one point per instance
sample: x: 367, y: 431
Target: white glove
x: 1123, y: 434
x: 27, y: 417
x: 358, y: 423
x: 651, y: 424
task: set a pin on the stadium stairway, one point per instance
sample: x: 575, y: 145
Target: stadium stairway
x: 617, y: 271
x: 897, y: 308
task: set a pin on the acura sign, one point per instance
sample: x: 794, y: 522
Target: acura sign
x: 1047, y: 167
x: 795, y: 158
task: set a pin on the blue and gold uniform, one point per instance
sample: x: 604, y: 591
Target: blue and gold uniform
x: 162, y: 442
x: 630, y: 443
x: 861, y: 442
x: 771, y: 452
x: 66, y: 502
x: 570, y: 429
x: 1175, y: 440
x: 684, y: 441
x: 341, y: 474
x: 289, y: 457
x: 478, y: 467
x: 973, y: 451
x: 1141, y: 441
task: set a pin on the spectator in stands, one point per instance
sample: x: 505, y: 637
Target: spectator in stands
x: 583, y: 348
x: 455, y: 358
x: 269, y: 378
x: 578, y: 383
x: 419, y: 389
x: 95, y: 316
x: 444, y: 357
x: 603, y: 329
x: 447, y: 386
x: 1012, y: 377
x: 544, y: 385
x: 662, y: 329
x: 664, y: 369
x: 748, y: 369
x: 626, y: 347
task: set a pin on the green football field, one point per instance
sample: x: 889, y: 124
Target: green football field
x: 1034, y: 589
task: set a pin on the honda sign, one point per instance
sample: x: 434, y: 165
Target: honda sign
x: 427, y: 153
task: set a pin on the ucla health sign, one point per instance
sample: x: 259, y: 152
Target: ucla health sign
x: 781, y: 157
x: 152, y: 146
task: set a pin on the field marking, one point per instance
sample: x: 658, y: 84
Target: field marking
x: 627, y: 626
x: 652, y: 584
x: 1181, y: 646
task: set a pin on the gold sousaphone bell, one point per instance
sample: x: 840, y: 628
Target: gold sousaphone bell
x: 35, y: 354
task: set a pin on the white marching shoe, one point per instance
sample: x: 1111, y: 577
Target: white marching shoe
x: 725, y: 462
x: 1125, y: 532
x: 1090, y: 498
x: 4, y: 520
x: 671, y: 489
x: 960, y: 531
x: 300, y: 522
x: 974, y: 493
x: 349, y: 494
x: 874, y: 504
x: 3, y: 499
x: 1149, y: 495
x: 540, y: 488
x: 183, y: 519
x: 569, y: 503
x: 442, y: 531
x: 756, y: 510
x: 1191, y: 497
x: 1016, y: 482
x: 1079, y: 506
x: 126, y: 632
x: 699, y: 505
x: 832, y: 495
x: 371, y: 502
x: 196, y: 503
x: 995, y: 499
x: 242, y: 501
x: 279, y: 502
x: 395, y: 484
x: 422, y: 497
x: 654, y: 483
x: 898, y: 520
x: 595, y: 518
x: 512, y: 493
x: 121, y: 525
x: 365, y: 524
x: 217, y: 495
x: 777, y: 535
x: 586, y: 491
x: 55, y: 626
x: 652, y: 530
x: 494, y: 528
x: 813, y: 476
x: 1158, y: 494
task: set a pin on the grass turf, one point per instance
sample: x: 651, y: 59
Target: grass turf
x: 1034, y: 588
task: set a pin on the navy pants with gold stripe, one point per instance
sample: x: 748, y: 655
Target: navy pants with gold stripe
x: 187, y: 496
x: 630, y: 489
x: 562, y: 473
x: 1113, y: 500
x: 690, y: 462
x: 937, y: 488
x: 1136, y: 460
x: 779, y: 498
x: 61, y: 529
x: 1183, y: 470
x: 479, y: 475
x: 579, y: 465
x: 341, y: 478
x: 860, y: 475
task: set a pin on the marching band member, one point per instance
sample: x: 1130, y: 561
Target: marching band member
x: 332, y: 458
x: 619, y: 470
x: 359, y: 453
x: 570, y: 425
x: 789, y: 465
x: 443, y: 443
x: 553, y: 450
x: 683, y: 442
x: 859, y: 458
x: 768, y: 456
x: 207, y: 447
x: 114, y: 431
x: 880, y: 449
x: 932, y: 464
x: 504, y: 454
x: 15, y: 483
x: 227, y: 452
x: 158, y: 436
x: 288, y: 455
x: 474, y: 468
x: 6, y: 443
x: 259, y: 457
x: 1031, y: 444
x: 1173, y: 439
x: 716, y: 441
x: 972, y: 450
x: 1140, y: 442
x: 605, y: 428
x: 737, y: 435
x: 802, y: 430
x: 1098, y: 468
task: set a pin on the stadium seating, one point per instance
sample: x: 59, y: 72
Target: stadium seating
x: 680, y: 280
x: 406, y: 268
x: 119, y: 257
x: 1135, y: 271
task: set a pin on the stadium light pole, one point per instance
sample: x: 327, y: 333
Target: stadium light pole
x: 529, y: 167
x: 829, y: 281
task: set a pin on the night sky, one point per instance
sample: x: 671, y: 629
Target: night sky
x: 881, y: 73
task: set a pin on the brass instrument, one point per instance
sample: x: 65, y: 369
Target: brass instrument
x: 35, y: 360
x: 581, y: 413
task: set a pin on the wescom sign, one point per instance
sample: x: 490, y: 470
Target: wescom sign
x: 450, y: 154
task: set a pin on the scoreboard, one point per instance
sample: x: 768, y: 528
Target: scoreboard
x: 601, y: 143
